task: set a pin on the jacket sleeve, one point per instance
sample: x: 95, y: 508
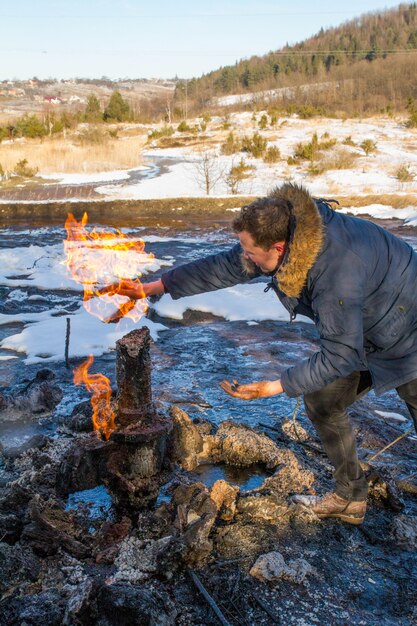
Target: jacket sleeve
x: 337, y: 302
x: 216, y: 271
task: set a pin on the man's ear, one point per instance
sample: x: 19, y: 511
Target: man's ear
x: 280, y: 246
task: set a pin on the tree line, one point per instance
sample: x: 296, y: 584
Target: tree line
x: 373, y: 40
x: 50, y: 123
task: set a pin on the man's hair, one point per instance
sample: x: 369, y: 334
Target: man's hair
x: 266, y: 219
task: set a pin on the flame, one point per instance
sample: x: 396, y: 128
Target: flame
x: 99, y: 386
x: 105, y: 263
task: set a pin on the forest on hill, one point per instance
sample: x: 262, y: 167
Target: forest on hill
x: 365, y: 65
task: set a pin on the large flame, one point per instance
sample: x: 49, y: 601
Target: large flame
x: 99, y: 386
x: 106, y: 262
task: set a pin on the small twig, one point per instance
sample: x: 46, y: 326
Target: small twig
x: 40, y: 258
x: 67, y: 338
x: 230, y: 561
x: 266, y: 608
x: 294, y: 419
x: 374, y: 456
x: 207, y: 597
x: 278, y: 430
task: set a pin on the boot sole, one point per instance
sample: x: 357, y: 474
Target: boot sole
x: 345, y: 518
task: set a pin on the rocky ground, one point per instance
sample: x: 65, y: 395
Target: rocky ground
x: 262, y: 557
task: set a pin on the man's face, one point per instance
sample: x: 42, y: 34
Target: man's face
x: 266, y: 260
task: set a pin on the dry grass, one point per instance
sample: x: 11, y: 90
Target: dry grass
x: 394, y: 200
x: 341, y: 159
x: 186, y: 141
x: 67, y: 155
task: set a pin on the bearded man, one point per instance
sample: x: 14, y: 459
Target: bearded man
x: 357, y: 282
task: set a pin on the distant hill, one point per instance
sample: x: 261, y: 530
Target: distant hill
x: 369, y: 64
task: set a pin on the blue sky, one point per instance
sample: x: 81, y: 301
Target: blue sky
x: 136, y: 39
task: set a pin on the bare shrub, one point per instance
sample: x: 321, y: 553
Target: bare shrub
x: 272, y: 155
x: 368, y: 146
x: 348, y: 141
x: 316, y: 168
x: 207, y: 170
x: 404, y: 175
x: 263, y: 122
x: 226, y: 122
x: 237, y: 174
x: 23, y: 169
x: 341, y: 159
x: 328, y: 143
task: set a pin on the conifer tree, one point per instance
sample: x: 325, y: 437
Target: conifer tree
x: 117, y: 109
x: 92, y: 110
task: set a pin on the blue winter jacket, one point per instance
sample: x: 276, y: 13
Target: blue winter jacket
x: 355, y: 280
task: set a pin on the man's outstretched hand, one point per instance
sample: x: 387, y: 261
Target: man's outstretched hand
x: 133, y: 289
x: 262, y: 389
x: 137, y: 290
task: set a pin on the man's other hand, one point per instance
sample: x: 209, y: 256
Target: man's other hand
x: 251, y: 391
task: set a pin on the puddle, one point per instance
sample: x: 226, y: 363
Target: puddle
x: 14, y: 434
x: 246, y: 478
x: 96, y: 504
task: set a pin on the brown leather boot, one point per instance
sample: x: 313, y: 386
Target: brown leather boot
x: 332, y: 505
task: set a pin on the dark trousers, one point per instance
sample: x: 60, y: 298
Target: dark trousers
x: 326, y: 409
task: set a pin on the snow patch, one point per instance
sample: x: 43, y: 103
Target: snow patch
x: 242, y: 302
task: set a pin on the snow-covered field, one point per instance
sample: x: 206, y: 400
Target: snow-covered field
x: 373, y: 174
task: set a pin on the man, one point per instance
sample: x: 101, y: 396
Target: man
x: 357, y: 282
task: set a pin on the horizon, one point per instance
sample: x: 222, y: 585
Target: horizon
x: 100, y: 40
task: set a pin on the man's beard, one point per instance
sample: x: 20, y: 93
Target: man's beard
x: 252, y: 268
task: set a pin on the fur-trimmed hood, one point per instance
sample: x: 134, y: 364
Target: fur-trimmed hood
x: 306, y: 239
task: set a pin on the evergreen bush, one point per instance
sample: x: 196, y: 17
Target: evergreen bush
x: 22, y: 169
x: 255, y: 145
x: 231, y: 145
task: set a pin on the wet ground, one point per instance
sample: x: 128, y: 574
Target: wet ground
x: 364, y: 575
x: 38, y: 189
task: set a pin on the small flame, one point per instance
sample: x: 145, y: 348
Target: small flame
x: 99, y: 386
x: 106, y: 262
